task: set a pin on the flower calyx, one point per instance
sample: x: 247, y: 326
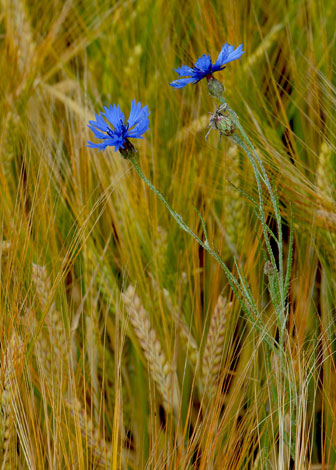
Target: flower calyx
x: 215, y: 87
x: 222, y: 121
x: 127, y: 150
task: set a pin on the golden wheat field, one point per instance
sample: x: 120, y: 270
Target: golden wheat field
x: 174, y: 309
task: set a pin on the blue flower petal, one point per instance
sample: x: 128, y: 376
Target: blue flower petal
x: 184, y: 71
x: 140, y: 129
x: 101, y: 147
x: 97, y: 133
x: 137, y: 114
x: 228, y: 54
x: 204, y: 63
x: 217, y: 68
x: 99, y: 122
x: 182, y: 82
x: 234, y: 55
x: 118, y: 143
x: 115, y: 133
x: 114, y: 115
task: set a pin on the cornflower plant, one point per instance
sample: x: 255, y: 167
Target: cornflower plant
x: 117, y: 133
x: 226, y: 121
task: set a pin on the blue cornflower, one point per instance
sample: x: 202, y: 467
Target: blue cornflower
x: 204, y: 66
x: 116, y: 133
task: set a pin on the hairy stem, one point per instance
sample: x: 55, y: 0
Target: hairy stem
x: 247, y: 303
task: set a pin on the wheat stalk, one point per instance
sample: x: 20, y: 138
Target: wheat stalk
x: 195, y: 126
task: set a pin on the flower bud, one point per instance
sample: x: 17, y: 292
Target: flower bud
x: 225, y: 125
x: 127, y: 150
x: 215, y: 87
x: 221, y: 121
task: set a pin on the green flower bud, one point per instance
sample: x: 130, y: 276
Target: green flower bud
x: 215, y: 87
x: 221, y: 121
x: 225, y: 125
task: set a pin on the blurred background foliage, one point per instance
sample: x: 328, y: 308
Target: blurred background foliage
x: 108, y: 310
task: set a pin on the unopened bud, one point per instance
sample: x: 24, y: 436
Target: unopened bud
x: 225, y: 125
x: 215, y: 87
x: 221, y: 121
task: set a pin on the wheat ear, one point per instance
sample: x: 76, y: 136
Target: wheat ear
x: 325, y: 174
x: 325, y: 181
x: 100, y: 447
x: 8, y: 392
x: 263, y: 48
x: 22, y: 39
x: 52, y: 348
x: 161, y: 371
x: 186, y: 336
x: 213, y: 351
x: 234, y: 204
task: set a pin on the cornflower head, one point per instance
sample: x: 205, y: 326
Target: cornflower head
x: 116, y: 132
x: 222, y: 121
x: 204, y: 68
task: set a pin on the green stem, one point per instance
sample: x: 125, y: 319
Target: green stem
x: 176, y: 216
x: 254, y: 159
x: 241, y: 144
x: 250, y: 308
x: 279, y: 285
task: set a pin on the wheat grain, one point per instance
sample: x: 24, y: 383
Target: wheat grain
x: 133, y: 60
